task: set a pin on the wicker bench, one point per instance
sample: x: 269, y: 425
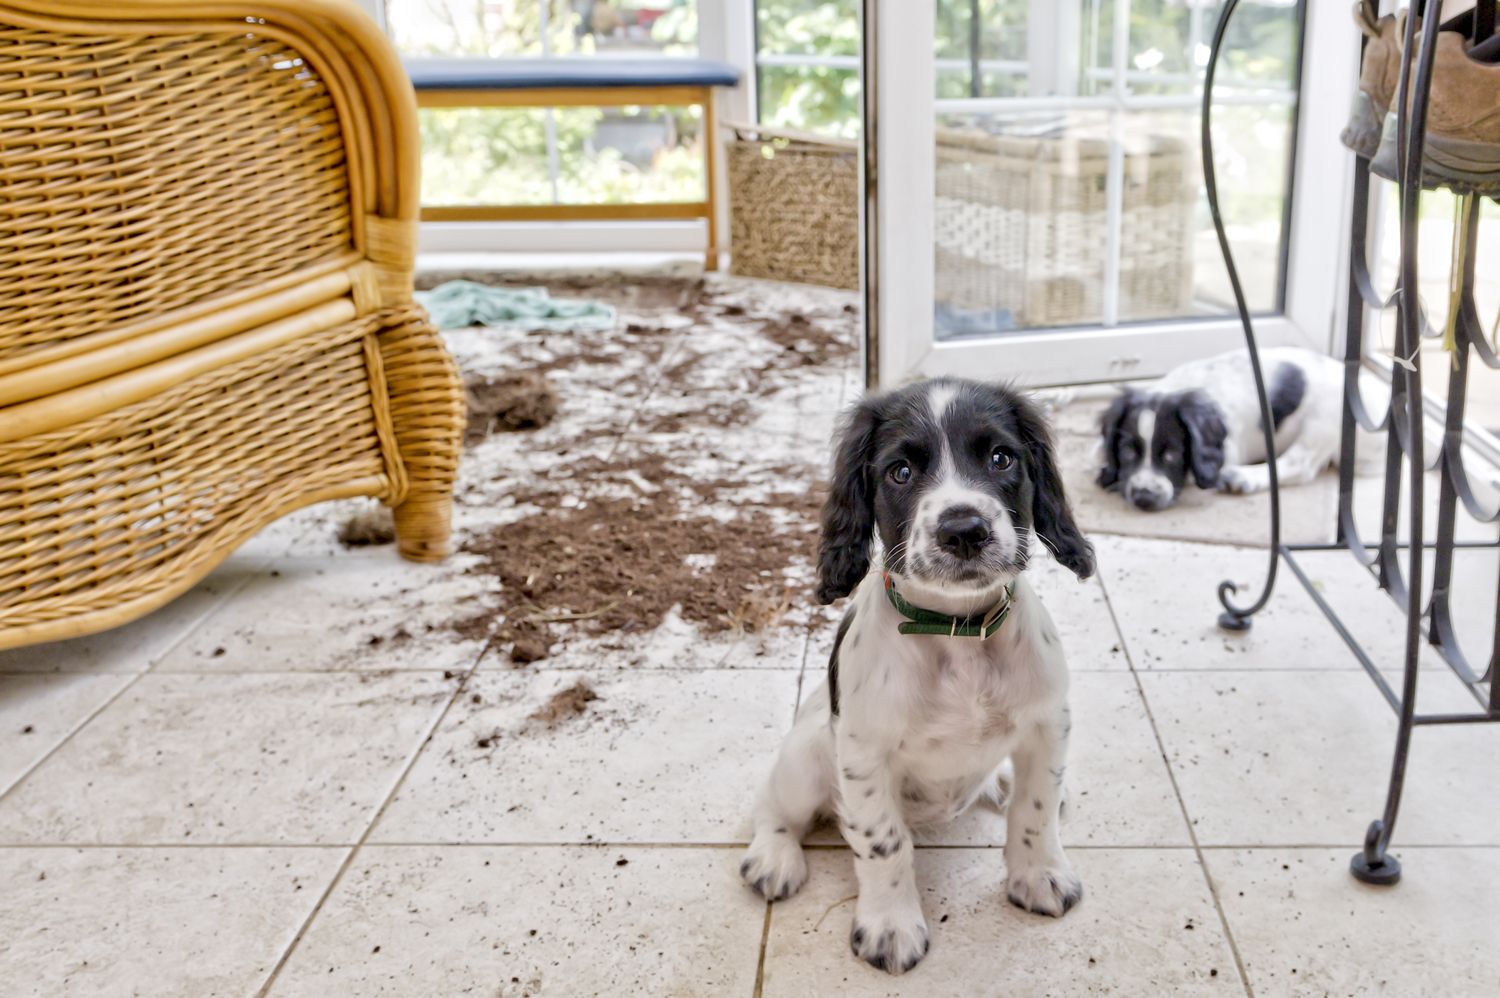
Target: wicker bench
x: 579, y: 82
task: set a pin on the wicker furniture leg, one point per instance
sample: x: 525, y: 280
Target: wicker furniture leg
x: 427, y: 416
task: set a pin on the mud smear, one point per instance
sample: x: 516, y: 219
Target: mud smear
x: 566, y: 704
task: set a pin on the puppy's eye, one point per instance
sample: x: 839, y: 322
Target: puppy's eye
x: 900, y: 473
x: 1127, y: 449
x: 1171, y: 455
x: 1001, y: 459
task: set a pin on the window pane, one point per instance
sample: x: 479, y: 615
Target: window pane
x: 484, y: 156
x: 629, y: 155
x: 509, y: 28
x: 807, y: 27
x: 1169, y: 41
x: 604, y: 155
x: 814, y: 98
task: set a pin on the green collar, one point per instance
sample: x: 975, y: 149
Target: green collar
x: 920, y: 621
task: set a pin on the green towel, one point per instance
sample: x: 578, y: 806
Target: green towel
x: 468, y: 303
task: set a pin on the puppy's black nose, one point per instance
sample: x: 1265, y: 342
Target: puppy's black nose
x: 963, y: 536
x: 1148, y: 501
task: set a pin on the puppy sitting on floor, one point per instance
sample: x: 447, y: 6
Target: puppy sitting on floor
x: 1203, y: 419
x: 945, y: 666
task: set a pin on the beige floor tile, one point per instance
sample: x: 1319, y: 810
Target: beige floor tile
x: 1146, y: 926
x: 37, y: 712
x: 357, y: 610
x: 1120, y: 793
x: 133, y: 647
x: 1304, y: 926
x: 229, y: 759
x: 525, y: 921
x: 1164, y: 595
x: 658, y: 757
x: 190, y: 922
x: 674, y: 644
x: 1291, y: 758
x: 1081, y: 614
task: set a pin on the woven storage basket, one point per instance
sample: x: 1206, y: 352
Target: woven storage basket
x: 794, y: 207
x: 1022, y: 227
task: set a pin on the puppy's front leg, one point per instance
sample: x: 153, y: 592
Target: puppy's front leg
x: 1040, y: 877
x: 889, y: 929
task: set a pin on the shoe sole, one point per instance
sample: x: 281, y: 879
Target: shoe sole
x: 1362, y: 134
x: 1466, y: 166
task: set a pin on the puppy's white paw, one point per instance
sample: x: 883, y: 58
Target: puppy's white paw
x: 1244, y: 481
x: 774, y: 865
x: 1044, y: 889
x: 893, y: 939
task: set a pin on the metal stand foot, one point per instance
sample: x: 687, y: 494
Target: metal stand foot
x: 1374, y: 865
x: 1229, y: 621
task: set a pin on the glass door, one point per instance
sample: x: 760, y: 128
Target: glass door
x: 1037, y: 204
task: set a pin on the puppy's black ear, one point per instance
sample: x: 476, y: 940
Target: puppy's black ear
x: 1206, y: 433
x: 1051, y: 516
x: 1109, y: 430
x: 849, y: 511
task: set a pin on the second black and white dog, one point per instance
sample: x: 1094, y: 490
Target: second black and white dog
x: 945, y: 666
x: 1202, y: 421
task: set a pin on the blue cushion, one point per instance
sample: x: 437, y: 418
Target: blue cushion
x: 585, y: 71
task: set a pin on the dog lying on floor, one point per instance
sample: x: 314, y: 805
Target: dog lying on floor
x: 1203, y: 420
x: 945, y: 665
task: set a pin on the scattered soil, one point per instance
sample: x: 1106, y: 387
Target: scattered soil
x: 566, y: 704
x: 368, y: 527
x: 622, y: 564
x: 688, y: 512
x: 520, y: 400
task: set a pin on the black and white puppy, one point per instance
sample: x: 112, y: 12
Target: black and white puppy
x: 1203, y: 420
x: 914, y: 723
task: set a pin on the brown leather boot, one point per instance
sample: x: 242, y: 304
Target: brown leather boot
x: 1462, y: 149
x: 1379, y: 74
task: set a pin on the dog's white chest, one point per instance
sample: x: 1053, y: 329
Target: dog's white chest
x: 967, y: 710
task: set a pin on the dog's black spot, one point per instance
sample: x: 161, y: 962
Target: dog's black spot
x: 895, y: 883
x: 781, y: 830
x: 1048, y: 638
x: 1026, y: 842
x: 869, y: 792
x: 1037, y: 804
x: 1031, y: 831
x: 1287, y: 388
x: 833, y: 661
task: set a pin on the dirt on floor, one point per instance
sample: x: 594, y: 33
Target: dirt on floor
x: 693, y: 512
x: 566, y: 703
x: 518, y: 400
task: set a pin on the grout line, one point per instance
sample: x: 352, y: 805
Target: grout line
x: 760, y: 964
x: 1213, y: 891
x: 127, y: 686
x: 458, y: 691
x: 602, y: 846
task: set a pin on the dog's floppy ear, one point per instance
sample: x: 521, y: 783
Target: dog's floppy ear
x: 1206, y: 433
x: 849, y: 510
x: 1109, y: 429
x: 1051, y: 517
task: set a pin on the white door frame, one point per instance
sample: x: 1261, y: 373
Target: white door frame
x: 902, y: 192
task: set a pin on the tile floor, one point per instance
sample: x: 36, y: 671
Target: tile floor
x: 248, y: 793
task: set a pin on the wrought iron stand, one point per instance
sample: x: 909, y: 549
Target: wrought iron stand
x: 1402, y: 424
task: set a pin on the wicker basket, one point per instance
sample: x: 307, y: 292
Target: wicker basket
x: 794, y: 207
x: 1022, y: 228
